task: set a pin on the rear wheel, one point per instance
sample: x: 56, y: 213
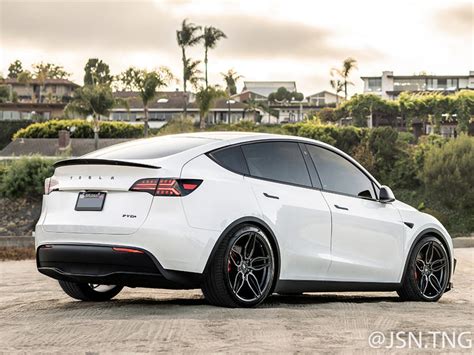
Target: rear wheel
x: 427, y: 273
x: 90, y: 292
x: 242, y: 270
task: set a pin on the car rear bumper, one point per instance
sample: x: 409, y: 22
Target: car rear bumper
x: 110, y: 265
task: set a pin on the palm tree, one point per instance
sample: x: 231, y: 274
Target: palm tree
x: 187, y: 36
x: 211, y: 36
x: 231, y: 78
x: 94, y: 100
x: 192, y: 72
x: 343, y: 73
x: 146, y: 83
x: 338, y: 86
x: 206, y: 98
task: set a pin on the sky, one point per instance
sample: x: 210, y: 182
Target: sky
x: 298, y: 40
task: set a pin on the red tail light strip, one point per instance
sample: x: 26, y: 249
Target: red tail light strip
x: 127, y: 250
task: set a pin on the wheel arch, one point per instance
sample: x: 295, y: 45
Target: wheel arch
x: 438, y: 235
x: 257, y: 222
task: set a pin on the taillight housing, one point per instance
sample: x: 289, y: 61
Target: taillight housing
x: 166, y: 186
x: 49, y: 185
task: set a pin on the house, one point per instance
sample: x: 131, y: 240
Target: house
x: 389, y: 86
x: 170, y: 104
x: 31, y: 111
x: 324, y: 98
x: 35, y: 99
x: 47, y: 91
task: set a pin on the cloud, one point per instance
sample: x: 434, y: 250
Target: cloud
x: 124, y: 27
x: 456, y: 21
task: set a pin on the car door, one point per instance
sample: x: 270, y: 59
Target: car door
x: 367, y: 235
x: 290, y: 204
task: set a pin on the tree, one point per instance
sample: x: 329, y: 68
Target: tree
x: 44, y: 71
x: 231, y: 78
x: 210, y: 36
x: 4, y: 93
x: 146, y: 83
x: 95, y: 101
x: 50, y: 71
x: 192, y: 74
x: 187, y: 36
x: 97, y: 73
x: 283, y: 95
x: 254, y: 106
x: 344, y: 73
x: 369, y: 108
x: 206, y: 98
x: 463, y: 107
x: 15, y: 69
x: 338, y: 86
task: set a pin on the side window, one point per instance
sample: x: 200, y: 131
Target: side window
x: 278, y: 161
x: 232, y: 159
x: 339, y: 174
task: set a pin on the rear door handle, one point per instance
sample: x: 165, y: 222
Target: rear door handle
x: 271, y: 196
x: 341, y: 207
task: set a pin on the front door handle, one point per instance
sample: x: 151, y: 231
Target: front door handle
x: 271, y: 196
x: 341, y: 207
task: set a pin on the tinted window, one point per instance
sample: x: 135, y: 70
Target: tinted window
x: 152, y: 148
x: 339, y: 174
x: 280, y: 161
x: 231, y: 158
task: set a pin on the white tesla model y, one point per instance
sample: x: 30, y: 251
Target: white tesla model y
x: 240, y: 215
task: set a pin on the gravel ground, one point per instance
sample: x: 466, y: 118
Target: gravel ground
x: 35, y: 316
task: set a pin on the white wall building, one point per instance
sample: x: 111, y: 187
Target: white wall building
x: 389, y: 86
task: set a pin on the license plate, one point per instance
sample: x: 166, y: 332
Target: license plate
x: 90, y: 201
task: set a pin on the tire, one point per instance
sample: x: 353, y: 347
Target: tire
x: 242, y: 270
x: 425, y: 279
x: 87, y: 292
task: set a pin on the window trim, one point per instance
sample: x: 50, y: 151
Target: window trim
x: 372, y: 182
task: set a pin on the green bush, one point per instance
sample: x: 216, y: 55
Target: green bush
x: 25, y: 177
x: 448, y: 172
x: 346, y: 138
x: 82, y: 129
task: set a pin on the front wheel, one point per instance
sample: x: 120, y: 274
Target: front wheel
x: 90, y: 292
x: 242, y: 270
x: 427, y: 273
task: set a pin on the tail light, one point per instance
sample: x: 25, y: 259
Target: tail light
x: 166, y: 186
x: 49, y: 185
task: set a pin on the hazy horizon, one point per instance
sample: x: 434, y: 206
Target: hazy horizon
x: 267, y: 40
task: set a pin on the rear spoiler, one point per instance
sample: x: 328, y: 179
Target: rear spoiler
x: 86, y: 161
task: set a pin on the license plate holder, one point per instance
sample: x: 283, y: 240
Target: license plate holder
x: 90, y: 201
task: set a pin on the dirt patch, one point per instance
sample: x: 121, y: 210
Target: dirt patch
x: 37, y: 317
x: 18, y: 216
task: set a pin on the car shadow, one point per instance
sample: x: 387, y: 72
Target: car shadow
x: 144, y: 305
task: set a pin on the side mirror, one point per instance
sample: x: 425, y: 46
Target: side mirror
x: 386, y: 195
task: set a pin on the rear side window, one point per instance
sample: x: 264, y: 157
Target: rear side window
x: 339, y: 175
x: 277, y: 161
x: 231, y: 158
x: 152, y: 148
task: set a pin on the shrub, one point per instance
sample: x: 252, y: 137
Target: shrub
x: 82, y: 129
x: 25, y: 177
x: 344, y: 138
x: 177, y: 125
x: 448, y: 172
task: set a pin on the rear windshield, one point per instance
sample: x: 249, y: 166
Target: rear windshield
x: 152, y: 148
